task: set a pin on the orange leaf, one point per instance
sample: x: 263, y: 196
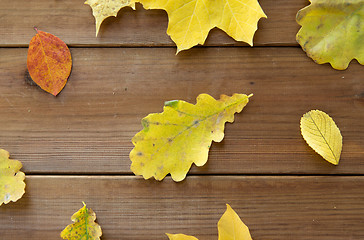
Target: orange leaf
x: 49, y: 62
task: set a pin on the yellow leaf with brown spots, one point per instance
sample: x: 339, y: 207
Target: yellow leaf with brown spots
x: 181, y: 135
x: 102, y: 9
x: 84, y: 226
x: 11, y: 179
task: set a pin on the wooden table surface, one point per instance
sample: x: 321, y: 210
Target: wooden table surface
x: 75, y: 147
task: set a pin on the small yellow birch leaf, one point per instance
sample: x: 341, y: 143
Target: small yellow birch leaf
x: 322, y: 135
x: 231, y: 227
x: 102, y: 9
x: 84, y: 226
x: 332, y: 31
x: 181, y: 135
x: 11, y: 179
x: 180, y: 237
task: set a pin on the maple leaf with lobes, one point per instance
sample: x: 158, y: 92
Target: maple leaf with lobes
x: 191, y: 20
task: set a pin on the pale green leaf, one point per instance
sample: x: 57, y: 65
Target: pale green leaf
x: 332, y: 31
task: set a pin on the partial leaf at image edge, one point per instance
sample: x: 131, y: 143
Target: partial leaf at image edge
x: 84, y: 226
x: 190, y: 21
x: 180, y: 237
x: 102, y: 9
x: 322, y: 135
x: 12, y: 185
x: 181, y: 135
x: 332, y: 31
x: 230, y: 227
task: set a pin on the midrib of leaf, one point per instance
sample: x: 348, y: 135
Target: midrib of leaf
x: 207, y: 117
x: 45, y: 56
x: 189, y: 24
x: 86, y: 224
x: 323, y: 137
x: 232, y: 13
x: 189, y: 127
x: 86, y: 229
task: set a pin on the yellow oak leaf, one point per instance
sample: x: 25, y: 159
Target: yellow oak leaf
x: 102, y: 9
x: 332, y: 31
x: 84, y: 226
x: 11, y: 179
x: 191, y: 20
x: 230, y: 227
x: 181, y: 135
x: 322, y: 135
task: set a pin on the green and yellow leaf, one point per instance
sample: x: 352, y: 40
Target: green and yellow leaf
x: 322, y: 135
x: 332, y: 31
x: 181, y: 135
x: 230, y: 227
x: 84, y: 226
x: 12, y: 185
x: 191, y: 21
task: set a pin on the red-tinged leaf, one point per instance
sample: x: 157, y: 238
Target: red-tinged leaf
x: 49, y: 62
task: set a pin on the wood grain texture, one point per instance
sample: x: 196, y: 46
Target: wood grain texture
x: 72, y: 21
x: 89, y: 126
x: 300, y: 208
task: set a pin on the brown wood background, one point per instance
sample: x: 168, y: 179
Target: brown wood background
x: 75, y: 147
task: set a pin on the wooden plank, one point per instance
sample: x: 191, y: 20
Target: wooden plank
x: 89, y: 126
x: 301, y: 208
x: 73, y: 22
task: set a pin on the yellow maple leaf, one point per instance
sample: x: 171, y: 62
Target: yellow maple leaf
x: 11, y: 179
x: 322, y: 135
x: 84, y: 226
x: 181, y: 135
x: 191, y: 20
x: 230, y: 227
